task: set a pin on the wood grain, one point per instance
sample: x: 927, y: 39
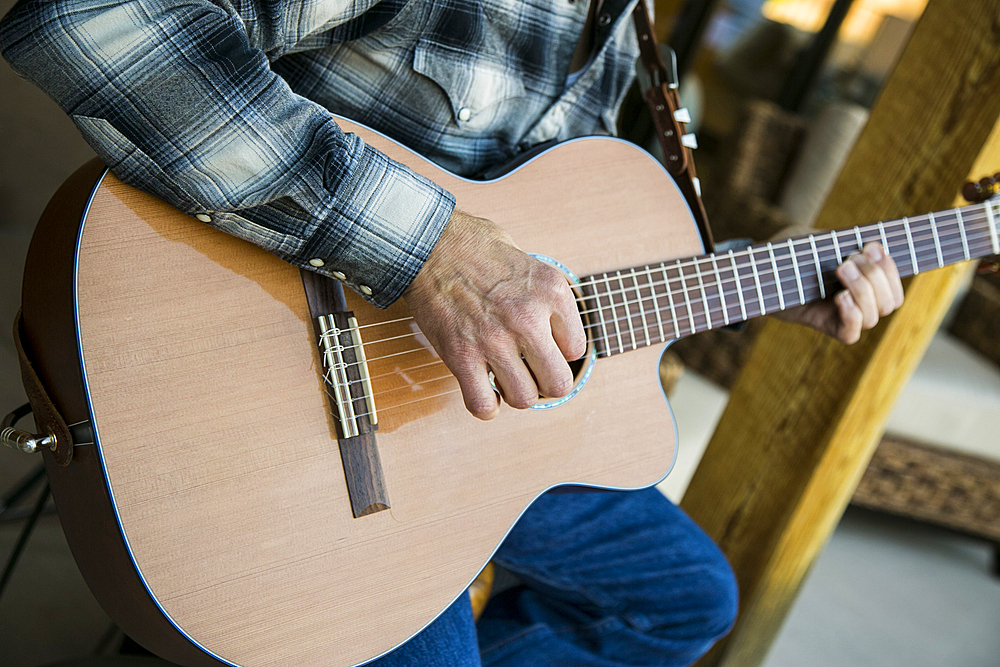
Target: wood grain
x: 217, y: 438
x: 806, y: 413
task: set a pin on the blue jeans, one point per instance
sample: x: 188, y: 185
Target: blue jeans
x: 607, y: 580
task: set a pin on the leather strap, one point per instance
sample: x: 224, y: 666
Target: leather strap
x: 661, y: 98
x: 47, y: 417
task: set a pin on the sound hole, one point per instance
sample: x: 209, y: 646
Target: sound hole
x: 581, y: 368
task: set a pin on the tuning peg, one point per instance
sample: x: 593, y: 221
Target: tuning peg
x: 689, y: 140
x: 682, y: 115
x: 975, y: 192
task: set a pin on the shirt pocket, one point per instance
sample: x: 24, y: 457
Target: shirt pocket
x: 476, y: 86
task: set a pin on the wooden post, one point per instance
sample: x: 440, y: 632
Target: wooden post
x: 806, y: 412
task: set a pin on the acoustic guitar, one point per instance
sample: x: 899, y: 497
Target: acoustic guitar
x: 266, y: 486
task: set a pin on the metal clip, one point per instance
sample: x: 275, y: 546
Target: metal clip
x: 667, y: 75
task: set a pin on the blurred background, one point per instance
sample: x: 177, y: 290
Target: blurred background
x: 779, y: 91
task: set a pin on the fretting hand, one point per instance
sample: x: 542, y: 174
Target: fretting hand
x: 872, y: 289
x: 486, y: 306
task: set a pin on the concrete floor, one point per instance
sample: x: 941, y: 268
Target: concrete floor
x: 885, y: 592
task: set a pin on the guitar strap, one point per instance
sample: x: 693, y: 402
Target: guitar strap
x: 47, y: 416
x: 661, y: 98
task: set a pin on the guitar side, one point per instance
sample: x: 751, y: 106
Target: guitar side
x: 219, y: 453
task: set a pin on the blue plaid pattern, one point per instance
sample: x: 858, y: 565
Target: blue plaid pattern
x: 223, y: 109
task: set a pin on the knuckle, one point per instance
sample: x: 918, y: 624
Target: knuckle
x: 552, y: 279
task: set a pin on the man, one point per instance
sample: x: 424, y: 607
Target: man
x: 223, y: 110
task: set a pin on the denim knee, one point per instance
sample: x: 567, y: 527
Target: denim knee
x: 721, y: 598
x: 696, y: 606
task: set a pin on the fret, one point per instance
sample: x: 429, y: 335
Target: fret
x: 819, y: 270
x: 795, y: 266
x: 756, y: 280
x: 687, y: 297
x: 909, y: 241
x: 739, y: 286
x: 656, y: 304
x: 885, y: 241
x: 937, y: 240
x: 777, y: 277
x: 993, y: 227
x: 961, y: 229
x: 604, y: 321
x: 722, y: 291
x: 704, y: 296
x: 642, y: 310
x: 857, y: 235
x: 614, y: 315
x: 670, y: 299
x: 628, y: 311
x: 836, y: 249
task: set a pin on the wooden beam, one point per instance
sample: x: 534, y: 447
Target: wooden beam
x: 806, y: 412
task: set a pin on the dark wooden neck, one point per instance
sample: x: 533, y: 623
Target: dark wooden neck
x: 642, y: 306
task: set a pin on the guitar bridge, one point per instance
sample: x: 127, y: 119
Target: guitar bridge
x: 345, y: 373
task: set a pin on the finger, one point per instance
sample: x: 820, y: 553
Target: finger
x: 480, y: 398
x: 885, y: 300
x: 552, y: 373
x: 891, y: 272
x: 851, y: 318
x: 567, y: 328
x: 861, y: 290
x: 515, y: 381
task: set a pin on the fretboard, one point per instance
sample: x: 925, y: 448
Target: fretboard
x: 640, y: 306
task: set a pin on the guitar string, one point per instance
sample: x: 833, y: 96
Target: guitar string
x: 806, y: 268
x: 941, y: 244
x: 682, y: 315
x: 805, y: 273
x: 951, y: 239
x: 701, y: 313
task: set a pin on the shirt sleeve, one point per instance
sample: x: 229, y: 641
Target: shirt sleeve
x: 177, y: 97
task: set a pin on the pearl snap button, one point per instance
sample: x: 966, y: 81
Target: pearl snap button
x: 317, y: 262
x: 464, y: 114
x: 366, y: 290
x: 203, y: 217
x: 338, y: 275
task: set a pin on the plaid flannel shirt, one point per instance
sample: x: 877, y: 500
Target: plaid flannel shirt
x: 223, y: 108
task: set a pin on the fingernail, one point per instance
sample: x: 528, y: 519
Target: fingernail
x: 873, y: 252
x: 850, y: 271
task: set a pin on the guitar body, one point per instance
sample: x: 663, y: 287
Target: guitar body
x: 212, y: 518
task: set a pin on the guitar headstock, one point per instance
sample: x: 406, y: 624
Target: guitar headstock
x: 977, y: 193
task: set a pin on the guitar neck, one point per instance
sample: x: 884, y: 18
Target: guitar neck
x: 642, y: 306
